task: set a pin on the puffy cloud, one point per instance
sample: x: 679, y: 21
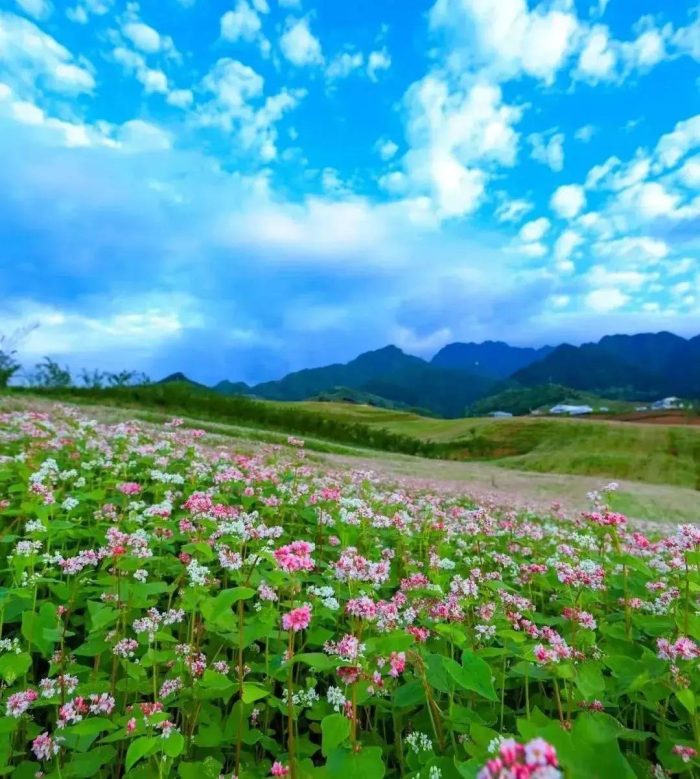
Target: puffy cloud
x: 39, y: 9
x: 244, y: 23
x: 597, y: 60
x: 299, y: 45
x: 549, y: 151
x: 81, y: 12
x: 534, y: 230
x: 143, y: 36
x: 568, y: 200
x: 238, y: 105
x: 180, y: 98
x: 606, y: 299
x: 386, y: 148
x: 603, y: 58
x: 566, y: 244
x: 506, y: 37
x: 376, y: 62
x: 137, y: 137
x: 689, y: 174
x: 454, y: 135
x: 649, y: 200
x: 585, y: 133
x: 31, y: 59
x: 513, y: 210
x: 673, y: 146
x: 344, y: 63
x: 133, y: 63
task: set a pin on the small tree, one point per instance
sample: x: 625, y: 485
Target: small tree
x: 8, y: 349
x: 50, y: 374
x: 93, y: 379
x: 8, y: 365
x: 126, y: 379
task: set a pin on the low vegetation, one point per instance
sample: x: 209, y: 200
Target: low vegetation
x: 175, y: 608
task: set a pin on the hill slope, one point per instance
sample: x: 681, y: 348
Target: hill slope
x: 389, y: 373
x: 490, y: 358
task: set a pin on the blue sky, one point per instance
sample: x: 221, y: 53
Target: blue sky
x: 239, y: 188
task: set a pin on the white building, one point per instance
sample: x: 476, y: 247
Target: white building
x: 572, y: 411
x: 667, y: 403
x: 500, y: 414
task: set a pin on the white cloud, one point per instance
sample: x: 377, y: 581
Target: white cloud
x: 597, y: 60
x: 559, y: 301
x: 142, y: 36
x: 585, y: 133
x: 566, y: 245
x: 568, y: 200
x: 605, y: 299
x: 33, y: 60
x: 601, y: 277
x: 39, y: 9
x: 637, y: 249
x: 513, y: 210
x: 289, y: 3
x: 343, y: 64
x: 137, y: 137
x: 689, y: 174
x: 134, y: 63
x: 299, y: 45
x: 454, y: 136
x: 386, y: 148
x: 180, y: 98
x: 673, y: 146
x: 534, y: 230
x: 550, y: 151
x: 377, y: 61
x: 243, y: 23
x: 649, y: 200
x: 604, y: 58
x: 507, y: 38
x: 236, y: 106
x: 81, y: 12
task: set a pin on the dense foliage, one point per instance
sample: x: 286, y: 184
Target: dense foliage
x: 172, y: 608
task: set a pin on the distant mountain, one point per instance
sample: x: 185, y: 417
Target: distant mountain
x: 180, y: 378
x: 400, y: 379
x: 647, y: 365
x: 226, y: 387
x: 310, y: 381
x: 639, y: 367
x: 490, y: 358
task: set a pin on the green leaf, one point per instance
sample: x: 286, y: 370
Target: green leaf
x: 140, y: 748
x: 474, y: 674
x: 253, y: 692
x: 14, y: 666
x: 88, y: 764
x: 335, y: 728
x: 174, y: 744
x: 590, y: 680
x: 687, y: 698
x: 365, y: 764
x: 208, y: 769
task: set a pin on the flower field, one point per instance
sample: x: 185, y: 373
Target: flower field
x: 171, y: 607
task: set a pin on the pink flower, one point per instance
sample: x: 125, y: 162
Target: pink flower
x: 278, y: 769
x: 686, y: 754
x: 129, y: 488
x: 297, y: 619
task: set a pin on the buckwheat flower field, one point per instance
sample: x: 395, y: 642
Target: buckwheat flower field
x: 171, y: 607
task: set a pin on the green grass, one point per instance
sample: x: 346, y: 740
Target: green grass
x: 656, y: 454
x: 653, y: 454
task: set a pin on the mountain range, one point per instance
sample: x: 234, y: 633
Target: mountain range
x: 634, y: 367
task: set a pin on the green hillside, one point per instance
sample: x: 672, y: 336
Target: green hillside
x: 657, y: 454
